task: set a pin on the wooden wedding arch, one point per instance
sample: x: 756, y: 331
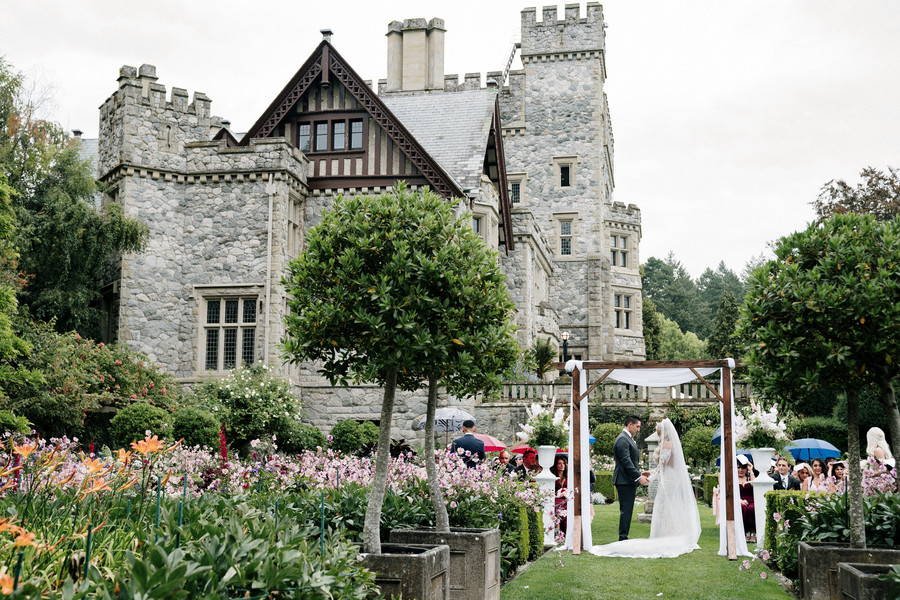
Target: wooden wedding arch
x: 725, y: 398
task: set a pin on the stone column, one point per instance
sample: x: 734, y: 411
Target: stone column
x: 647, y: 515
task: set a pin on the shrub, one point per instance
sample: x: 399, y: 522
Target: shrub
x: 535, y: 534
x: 684, y: 419
x: 524, y: 535
x: 132, y: 422
x: 605, y: 434
x: 253, y: 403
x: 197, y: 426
x: 10, y: 423
x: 349, y: 436
x: 823, y: 428
x: 300, y: 437
x: 604, y: 485
x: 697, y: 445
x: 710, y: 480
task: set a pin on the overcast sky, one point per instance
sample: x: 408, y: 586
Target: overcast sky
x: 728, y: 116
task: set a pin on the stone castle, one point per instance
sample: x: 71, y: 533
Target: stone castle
x: 528, y: 155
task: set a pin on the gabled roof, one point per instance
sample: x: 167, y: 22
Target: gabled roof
x: 453, y: 128
x: 326, y: 63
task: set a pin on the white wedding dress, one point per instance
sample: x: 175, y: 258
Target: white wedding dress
x: 675, y: 526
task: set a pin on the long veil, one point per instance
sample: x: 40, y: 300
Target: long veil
x: 675, y: 526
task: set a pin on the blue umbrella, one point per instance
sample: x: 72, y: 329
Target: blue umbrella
x: 717, y: 437
x: 810, y: 448
x: 744, y: 452
x: 592, y: 440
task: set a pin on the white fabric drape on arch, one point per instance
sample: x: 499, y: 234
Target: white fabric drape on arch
x: 644, y: 378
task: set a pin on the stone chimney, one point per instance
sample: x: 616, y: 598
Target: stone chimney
x: 415, y: 55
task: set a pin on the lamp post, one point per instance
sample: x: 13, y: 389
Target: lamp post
x: 565, y: 338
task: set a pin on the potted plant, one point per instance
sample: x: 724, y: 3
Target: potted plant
x: 760, y: 431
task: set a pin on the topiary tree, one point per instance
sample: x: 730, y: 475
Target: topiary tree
x: 349, y: 436
x: 396, y: 290
x: 605, y: 434
x: 825, y: 314
x: 300, y: 437
x: 697, y: 445
x: 197, y: 427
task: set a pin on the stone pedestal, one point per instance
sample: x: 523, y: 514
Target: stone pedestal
x: 762, y: 484
x: 547, y: 481
x: 647, y: 516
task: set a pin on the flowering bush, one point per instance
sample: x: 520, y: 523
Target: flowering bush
x: 759, y: 428
x: 545, y: 427
x: 252, y: 403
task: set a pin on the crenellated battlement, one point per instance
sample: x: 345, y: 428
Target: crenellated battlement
x: 140, y: 86
x: 572, y: 37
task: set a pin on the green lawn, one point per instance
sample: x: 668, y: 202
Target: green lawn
x: 700, y: 574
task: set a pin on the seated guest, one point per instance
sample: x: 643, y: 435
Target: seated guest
x: 503, y: 463
x: 782, y: 476
x: 837, y: 480
x: 561, y: 470
x: 817, y: 480
x: 802, y: 472
x: 878, y: 448
x: 748, y: 509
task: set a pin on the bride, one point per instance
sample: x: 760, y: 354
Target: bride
x: 675, y: 526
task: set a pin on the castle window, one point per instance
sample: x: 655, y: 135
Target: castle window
x: 294, y: 227
x: 565, y: 238
x: 618, y: 254
x: 515, y: 192
x: 338, y: 135
x: 565, y: 170
x: 229, y: 332
x: 476, y: 225
x: 321, y: 137
x: 303, y: 137
x: 564, y: 175
x: 622, y: 305
x: 356, y: 134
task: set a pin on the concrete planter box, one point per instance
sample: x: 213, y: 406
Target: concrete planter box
x: 860, y: 581
x: 411, y: 571
x: 818, y: 566
x: 474, y: 559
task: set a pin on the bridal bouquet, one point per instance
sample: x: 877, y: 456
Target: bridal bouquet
x: 759, y: 428
x: 545, y: 427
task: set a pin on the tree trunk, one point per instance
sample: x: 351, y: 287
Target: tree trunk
x: 854, y: 483
x: 889, y: 402
x: 441, y: 520
x: 372, y: 528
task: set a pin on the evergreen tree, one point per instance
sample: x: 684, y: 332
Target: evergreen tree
x: 878, y: 195
x: 722, y: 342
x: 653, y: 324
x: 675, y: 294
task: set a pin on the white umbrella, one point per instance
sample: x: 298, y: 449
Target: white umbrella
x: 447, y: 419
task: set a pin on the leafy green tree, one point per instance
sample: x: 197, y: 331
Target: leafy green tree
x: 396, y: 290
x: 723, y: 342
x: 878, y: 195
x: 675, y: 345
x: 712, y: 284
x: 675, y: 294
x: 653, y: 324
x: 11, y: 345
x: 824, y: 313
x: 66, y: 245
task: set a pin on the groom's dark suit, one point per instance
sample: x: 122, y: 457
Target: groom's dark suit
x: 625, y: 478
x: 792, y: 483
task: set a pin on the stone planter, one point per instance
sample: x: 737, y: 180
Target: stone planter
x: 474, y: 559
x: 411, y: 571
x: 818, y: 566
x: 860, y: 581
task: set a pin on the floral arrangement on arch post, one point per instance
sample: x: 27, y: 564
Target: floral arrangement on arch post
x: 545, y: 427
x: 757, y: 427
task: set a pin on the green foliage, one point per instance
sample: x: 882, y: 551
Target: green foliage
x: 398, y: 282
x: 300, y: 437
x: 349, y: 436
x: 604, y: 485
x: 132, y: 422
x: 252, y: 403
x: 781, y: 541
x: 196, y: 426
x: 710, y: 480
x: 675, y: 295
x: 823, y: 428
x: 543, y: 354
x: 824, y: 312
x: 653, y: 324
x: 722, y: 342
x: 535, y: 534
x: 675, y: 345
x: 684, y: 420
x: 524, y: 535
x: 605, y: 434
x: 10, y: 423
x: 878, y: 195
x: 697, y: 445
x: 871, y: 413
x: 65, y: 379
x: 713, y: 285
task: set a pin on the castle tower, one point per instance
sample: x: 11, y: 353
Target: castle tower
x: 559, y: 151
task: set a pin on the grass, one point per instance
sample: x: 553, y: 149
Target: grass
x: 700, y: 574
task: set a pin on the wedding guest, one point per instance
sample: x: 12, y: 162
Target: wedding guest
x: 837, y: 480
x: 561, y: 469
x: 782, y: 476
x: 529, y: 467
x: 802, y: 472
x: 817, y: 481
x: 503, y: 463
x: 748, y: 509
x: 878, y: 448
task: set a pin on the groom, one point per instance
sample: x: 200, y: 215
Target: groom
x: 627, y: 476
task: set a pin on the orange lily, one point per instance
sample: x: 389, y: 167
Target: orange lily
x: 165, y: 479
x: 7, y: 525
x: 175, y: 445
x: 9, y: 472
x: 123, y: 455
x: 148, y: 445
x: 6, y: 583
x: 24, y: 539
x: 128, y: 484
x: 94, y: 465
x: 24, y: 450
x: 66, y: 480
x: 98, y: 485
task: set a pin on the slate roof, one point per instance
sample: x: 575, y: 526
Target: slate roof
x: 453, y: 127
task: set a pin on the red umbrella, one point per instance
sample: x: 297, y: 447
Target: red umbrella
x: 521, y: 448
x: 491, y: 444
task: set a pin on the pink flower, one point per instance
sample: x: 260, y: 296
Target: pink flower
x: 763, y: 575
x: 776, y: 516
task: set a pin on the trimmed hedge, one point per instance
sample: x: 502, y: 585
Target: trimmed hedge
x: 132, y: 422
x: 790, y: 505
x: 524, y: 535
x: 710, y: 480
x: 535, y: 534
x: 604, y: 485
x: 349, y: 436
